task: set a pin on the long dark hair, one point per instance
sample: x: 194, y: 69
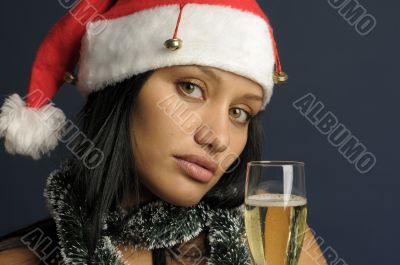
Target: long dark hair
x: 106, y: 120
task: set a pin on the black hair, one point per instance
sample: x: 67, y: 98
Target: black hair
x: 105, y: 119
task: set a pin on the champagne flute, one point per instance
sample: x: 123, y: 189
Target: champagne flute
x: 275, y: 211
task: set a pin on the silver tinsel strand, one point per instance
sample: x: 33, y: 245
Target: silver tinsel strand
x: 155, y: 224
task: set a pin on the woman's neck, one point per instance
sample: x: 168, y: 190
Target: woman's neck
x: 145, y: 196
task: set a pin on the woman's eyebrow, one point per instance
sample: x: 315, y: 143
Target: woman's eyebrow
x: 208, y: 71
x: 253, y: 97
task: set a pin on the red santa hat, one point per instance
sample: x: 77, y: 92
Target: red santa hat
x: 112, y: 40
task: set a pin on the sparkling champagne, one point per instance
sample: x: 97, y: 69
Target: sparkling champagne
x: 275, y: 227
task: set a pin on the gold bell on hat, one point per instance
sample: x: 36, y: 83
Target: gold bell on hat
x: 280, y: 78
x: 69, y: 78
x: 173, y: 44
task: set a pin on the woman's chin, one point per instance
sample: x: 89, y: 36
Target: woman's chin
x: 176, y: 188
x: 182, y: 199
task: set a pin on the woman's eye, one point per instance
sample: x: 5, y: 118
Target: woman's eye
x: 240, y: 114
x: 193, y: 90
x: 190, y: 89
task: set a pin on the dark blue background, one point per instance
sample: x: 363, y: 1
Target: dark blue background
x: 352, y: 75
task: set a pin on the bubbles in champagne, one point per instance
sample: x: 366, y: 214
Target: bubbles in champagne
x: 275, y: 225
x: 275, y: 200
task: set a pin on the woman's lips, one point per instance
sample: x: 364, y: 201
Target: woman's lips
x: 194, y: 171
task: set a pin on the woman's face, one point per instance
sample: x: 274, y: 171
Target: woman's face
x: 190, y: 110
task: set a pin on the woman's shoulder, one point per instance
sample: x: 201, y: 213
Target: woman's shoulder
x: 16, y: 254
x: 33, y: 244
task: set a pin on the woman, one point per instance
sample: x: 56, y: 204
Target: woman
x: 156, y: 175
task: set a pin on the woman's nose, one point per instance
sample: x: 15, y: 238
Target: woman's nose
x: 213, y: 131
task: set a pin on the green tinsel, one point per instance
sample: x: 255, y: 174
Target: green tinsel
x: 155, y: 224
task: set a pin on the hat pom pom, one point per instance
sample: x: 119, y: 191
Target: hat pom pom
x: 30, y: 131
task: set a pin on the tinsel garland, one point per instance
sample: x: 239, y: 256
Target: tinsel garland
x: 155, y: 224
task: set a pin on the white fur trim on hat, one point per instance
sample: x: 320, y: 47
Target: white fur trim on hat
x: 218, y: 36
x: 29, y: 131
